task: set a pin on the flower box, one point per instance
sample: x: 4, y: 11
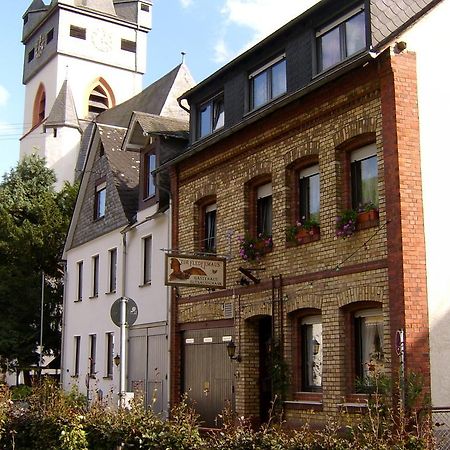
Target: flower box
x: 367, y: 216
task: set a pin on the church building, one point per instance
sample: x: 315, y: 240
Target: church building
x: 81, y: 57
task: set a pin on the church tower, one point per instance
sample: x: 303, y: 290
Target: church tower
x: 81, y: 58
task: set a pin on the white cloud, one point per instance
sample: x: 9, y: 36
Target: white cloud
x: 4, y: 96
x: 262, y: 17
x: 186, y: 3
x: 222, y: 53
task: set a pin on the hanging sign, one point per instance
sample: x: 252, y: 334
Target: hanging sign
x: 195, y: 271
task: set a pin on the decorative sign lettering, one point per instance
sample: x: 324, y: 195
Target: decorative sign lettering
x: 195, y: 271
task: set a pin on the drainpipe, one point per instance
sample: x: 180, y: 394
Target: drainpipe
x: 123, y: 319
x: 63, y: 324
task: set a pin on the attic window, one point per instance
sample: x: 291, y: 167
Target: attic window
x: 145, y: 7
x: 98, y: 101
x: 102, y: 150
x: 31, y: 55
x: 128, y: 46
x: 77, y: 32
x: 341, y: 39
x: 25, y: 20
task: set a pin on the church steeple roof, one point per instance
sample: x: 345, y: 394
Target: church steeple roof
x: 36, y: 5
x: 63, y: 112
x: 105, y: 6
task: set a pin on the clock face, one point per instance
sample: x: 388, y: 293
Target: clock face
x: 39, y: 47
x: 102, y: 40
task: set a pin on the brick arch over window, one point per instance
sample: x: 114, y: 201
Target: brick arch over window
x: 354, y: 129
x: 361, y: 293
x: 301, y: 151
x: 39, y: 106
x: 99, y: 98
x: 309, y: 301
x: 258, y: 170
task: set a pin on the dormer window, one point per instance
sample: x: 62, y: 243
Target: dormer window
x: 268, y: 82
x: 150, y: 166
x: 211, y: 116
x: 341, y: 39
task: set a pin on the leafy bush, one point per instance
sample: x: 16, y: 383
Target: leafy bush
x: 53, y: 419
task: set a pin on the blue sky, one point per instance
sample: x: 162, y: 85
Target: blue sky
x: 211, y: 32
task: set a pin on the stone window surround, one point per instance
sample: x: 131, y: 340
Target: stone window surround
x: 250, y: 195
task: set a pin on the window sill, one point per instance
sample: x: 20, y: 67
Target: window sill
x: 109, y: 377
x: 93, y: 296
x: 305, y: 405
x: 149, y: 283
x: 78, y: 301
x: 110, y: 292
x: 98, y: 219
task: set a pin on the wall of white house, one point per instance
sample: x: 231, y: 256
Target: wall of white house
x: 426, y: 38
x: 92, y: 315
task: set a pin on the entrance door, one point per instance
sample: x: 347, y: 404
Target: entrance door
x: 207, y: 372
x: 265, y: 377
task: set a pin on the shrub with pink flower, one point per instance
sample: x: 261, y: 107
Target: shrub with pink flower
x: 253, y: 248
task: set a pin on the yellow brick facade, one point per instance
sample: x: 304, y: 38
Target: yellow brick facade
x: 328, y: 274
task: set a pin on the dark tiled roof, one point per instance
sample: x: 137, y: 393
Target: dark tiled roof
x: 151, y: 100
x: 63, y: 112
x: 390, y: 17
x: 88, y: 128
x: 124, y: 167
x: 167, y: 126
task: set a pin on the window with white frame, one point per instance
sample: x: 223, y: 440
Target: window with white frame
x: 309, y: 193
x: 109, y: 348
x: 147, y: 260
x: 112, y: 278
x: 268, y: 82
x: 341, y: 39
x: 364, y: 176
x: 100, y: 201
x: 76, y: 355
x: 369, y: 342
x: 264, y: 210
x: 92, y: 354
x: 79, y: 281
x: 311, y: 353
x: 95, y: 274
x: 211, y: 116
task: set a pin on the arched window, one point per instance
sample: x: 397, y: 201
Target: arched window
x: 100, y: 98
x: 39, y: 106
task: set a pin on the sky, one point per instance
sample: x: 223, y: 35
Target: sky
x: 210, y: 32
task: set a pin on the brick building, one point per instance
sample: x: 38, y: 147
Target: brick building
x: 319, y: 119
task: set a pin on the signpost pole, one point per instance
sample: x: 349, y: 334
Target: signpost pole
x: 123, y: 349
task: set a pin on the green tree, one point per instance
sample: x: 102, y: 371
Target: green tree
x: 34, y: 218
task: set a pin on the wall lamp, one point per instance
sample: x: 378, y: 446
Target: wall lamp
x: 117, y: 360
x: 231, y: 350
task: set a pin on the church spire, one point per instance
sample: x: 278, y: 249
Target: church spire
x: 63, y: 112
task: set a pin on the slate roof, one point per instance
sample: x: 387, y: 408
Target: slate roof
x: 36, y: 5
x: 160, y: 125
x: 151, y: 100
x: 124, y: 166
x: 389, y: 18
x: 63, y: 112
